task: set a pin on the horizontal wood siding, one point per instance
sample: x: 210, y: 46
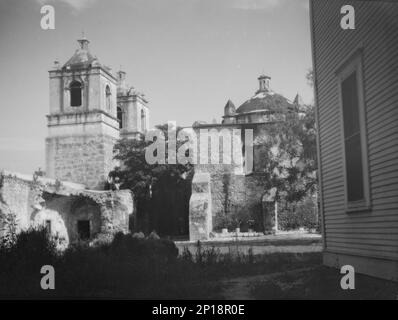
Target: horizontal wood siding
x: 373, y: 233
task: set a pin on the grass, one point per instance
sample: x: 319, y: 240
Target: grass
x: 130, y: 268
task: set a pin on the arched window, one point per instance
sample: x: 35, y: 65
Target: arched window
x: 120, y: 117
x: 75, y: 94
x: 143, y: 121
x: 108, y: 97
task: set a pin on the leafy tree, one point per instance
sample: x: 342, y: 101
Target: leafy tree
x: 289, y: 159
x: 310, y: 77
x: 161, y: 191
x: 287, y: 154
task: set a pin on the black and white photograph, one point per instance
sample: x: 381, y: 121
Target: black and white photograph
x: 198, y: 154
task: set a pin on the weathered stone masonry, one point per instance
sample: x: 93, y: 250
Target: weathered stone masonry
x: 90, y: 108
x: 86, y: 159
x: 60, y: 206
x: 232, y: 188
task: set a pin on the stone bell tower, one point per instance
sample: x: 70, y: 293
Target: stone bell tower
x: 82, y: 123
x: 132, y: 109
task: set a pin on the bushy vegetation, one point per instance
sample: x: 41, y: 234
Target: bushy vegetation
x: 241, y: 218
x: 128, y: 267
x: 21, y: 261
x: 161, y: 191
x: 301, y: 214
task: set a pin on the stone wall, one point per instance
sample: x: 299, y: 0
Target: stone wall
x: 200, y: 208
x: 84, y: 159
x: 234, y: 190
x: 36, y: 202
x: 216, y: 197
x: 232, y: 194
x: 19, y: 197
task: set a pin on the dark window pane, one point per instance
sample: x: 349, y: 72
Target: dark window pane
x: 75, y: 94
x: 354, y: 168
x: 350, y: 105
x: 352, y: 138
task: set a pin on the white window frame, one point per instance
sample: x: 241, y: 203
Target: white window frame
x: 355, y: 64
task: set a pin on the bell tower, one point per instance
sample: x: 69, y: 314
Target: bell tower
x: 132, y: 109
x: 82, y: 122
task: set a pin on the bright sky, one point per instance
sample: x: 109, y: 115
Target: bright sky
x: 188, y: 57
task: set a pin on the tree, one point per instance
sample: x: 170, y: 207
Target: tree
x: 161, y: 191
x: 288, y: 154
x: 310, y: 77
x: 290, y: 160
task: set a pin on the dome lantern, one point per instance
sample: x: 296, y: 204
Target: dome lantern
x: 264, y: 83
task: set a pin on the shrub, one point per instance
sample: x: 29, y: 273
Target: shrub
x: 299, y: 214
x: 153, y: 235
x: 221, y: 222
x: 127, y: 267
x: 139, y: 235
x: 129, y: 245
x: 9, y: 229
x: 21, y: 262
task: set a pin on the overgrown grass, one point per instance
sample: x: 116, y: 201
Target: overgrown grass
x: 128, y: 268
x: 216, y: 266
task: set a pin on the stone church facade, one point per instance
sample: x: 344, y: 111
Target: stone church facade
x: 221, y: 191
x: 90, y: 109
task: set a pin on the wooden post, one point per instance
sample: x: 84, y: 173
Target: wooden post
x: 276, y: 216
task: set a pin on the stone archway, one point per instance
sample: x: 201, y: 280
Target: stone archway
x: 85, y: 219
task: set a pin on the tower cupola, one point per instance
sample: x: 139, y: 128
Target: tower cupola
x: 83, y: 43
x: 264, y: 83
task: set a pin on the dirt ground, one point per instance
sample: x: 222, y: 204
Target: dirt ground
x: 316, y: 282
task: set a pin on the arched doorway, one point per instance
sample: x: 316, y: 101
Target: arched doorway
x: 85, y: 220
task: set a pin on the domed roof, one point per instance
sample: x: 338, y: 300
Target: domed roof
x: 82, y: 58
x: 265, y: 101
